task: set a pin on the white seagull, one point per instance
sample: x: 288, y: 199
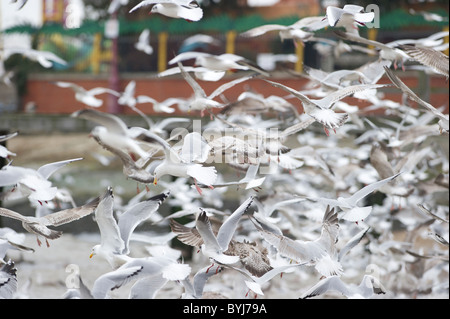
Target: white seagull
x: 321, y: 253
x: 321, y: 110
x: 443, y: 118
x: 46, y: 59
x: 388, y: 51
x: 115, y: 235
x: 214, y: 246
x: 38, y: 225
x: 185, y: 9
x: 4, y: 152
x: 222, y: 62
x: 293, y: 31
x: 113, y: 132
x: 368, y: 287
x: 33, y: 183
x: 434, y: 59
x: 143, y: 270
x: 85, y: 96
x: 348, y: 17
x: 201, y: 101
x: 353, y: 212
x: 143, y: 43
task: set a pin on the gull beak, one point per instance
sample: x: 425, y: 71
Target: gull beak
x: 91, y: 255
x: 155, y: 181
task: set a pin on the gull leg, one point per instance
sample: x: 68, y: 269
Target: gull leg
x: 198, y: 188
x: 46, y: 241
x: 38, y: 241
x: 326, y: 131
x: 209, y: 268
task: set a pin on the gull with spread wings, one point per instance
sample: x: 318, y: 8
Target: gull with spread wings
x: 38, y: 225
x: 321, y: 110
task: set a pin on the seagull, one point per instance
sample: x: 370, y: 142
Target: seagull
x: 10, y: 240
x: 352, y: 212
x: 368, y: 287
x: 251, y: 256
x: 320, y: 110
x: 194, y: 289
x: 114, y: 133
x: 143, y: 43
x: 255, y: 283
x: 219, y: 63
x: 293, y: 31
x: 87, y: 97
x: 46, y: 59
x: 38, y: 225
x: 443, y: 118
x: 201, y: 101
x: 33, y: 183
x: 387, y: 51
x: 185, y: 9
x: 198, y: 41
x: 4, y: 152
x: 131, y: 168
x: 434, y: 59
x: 140, y: 269
x: 214, y: 246
x: 321, y: 253
x: 115, y: 235
x: 8, y: 280
x: 184, y: 165
x: 348, y: 17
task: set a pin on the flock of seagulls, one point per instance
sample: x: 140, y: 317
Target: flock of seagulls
x: 316, y: 213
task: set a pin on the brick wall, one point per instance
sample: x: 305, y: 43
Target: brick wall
x: 50, y: 99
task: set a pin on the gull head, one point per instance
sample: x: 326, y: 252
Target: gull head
x: 156, y: 8
x: 95, y: 251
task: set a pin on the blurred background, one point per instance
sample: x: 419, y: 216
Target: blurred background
x: 99, y: 46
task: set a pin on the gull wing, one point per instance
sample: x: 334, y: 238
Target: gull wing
x: 405, y: 89
x: 434, y: 59
x: 69, y: 215
x: 357, y: 196
x: 137, y: 214
x: 257, y: 31
x: 286, y: 247
x: 109, y: 230
x: 203, y: 225
x: 187, y: 235
x: 357, y: 38
x: 110, y: 121
x: 198, y: 90
x: 229, y: 85
x: 48, y: 169
x: 228, y: 228
x: 114, y: 280
x: 12, y: 214
x: 301, y: 97
x: 335, y: 96
x: 333, y: 283
x: 352, y: 243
